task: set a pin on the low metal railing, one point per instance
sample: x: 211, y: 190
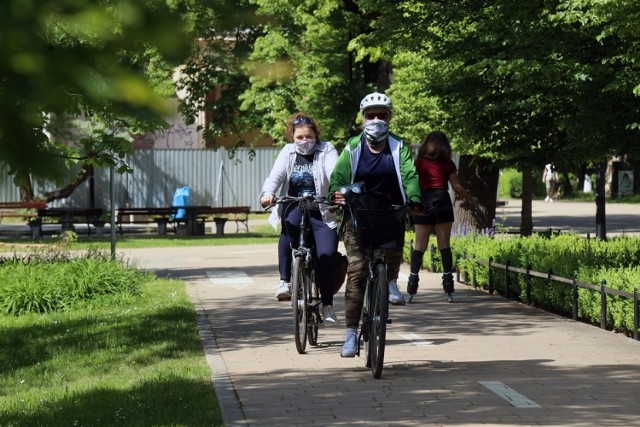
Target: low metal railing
x: 550, y: 277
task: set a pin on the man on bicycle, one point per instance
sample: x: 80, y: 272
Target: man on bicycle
x: 384, y: 162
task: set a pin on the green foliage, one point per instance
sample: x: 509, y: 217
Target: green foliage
x: 510, y: 185
x: 52, y: 281
x: 565, y: 255
x: 106, y: 61
x: 301, y: 63
x: 505, y: 80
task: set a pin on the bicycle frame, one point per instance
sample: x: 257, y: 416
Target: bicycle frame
x: 375, y: 312
x: 305, y: 296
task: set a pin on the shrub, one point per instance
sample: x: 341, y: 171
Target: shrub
x: 565, y: 255
x: 48, y: 282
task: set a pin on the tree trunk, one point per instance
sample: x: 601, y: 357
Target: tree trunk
x: 480, y: 178
x: 526, y: 219
x: 582, y: 171
x: 565, y: 182
x: 24, y: 184
x: 67, y: 190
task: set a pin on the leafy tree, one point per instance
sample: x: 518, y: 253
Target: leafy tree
x: 516, y: 84
x: 108, y: 61
x: 286, y: 56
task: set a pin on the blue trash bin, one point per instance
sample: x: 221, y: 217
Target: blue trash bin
x: 182, y: 197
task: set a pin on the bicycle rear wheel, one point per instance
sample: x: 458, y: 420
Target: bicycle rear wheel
x: 299, y: 299
x: 378, y: 309
x: 313, y: 315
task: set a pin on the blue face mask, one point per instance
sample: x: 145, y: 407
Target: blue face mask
x: 376, y: 131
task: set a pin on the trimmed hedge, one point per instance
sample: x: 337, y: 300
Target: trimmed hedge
x: 565, y: 255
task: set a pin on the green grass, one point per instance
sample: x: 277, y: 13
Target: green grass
x: 260, y: 235
x: 136, y: 361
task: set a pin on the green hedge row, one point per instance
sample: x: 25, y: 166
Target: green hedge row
x: 565, y: 255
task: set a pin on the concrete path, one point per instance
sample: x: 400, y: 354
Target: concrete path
x: 579, y: 217
x: 478, y: 361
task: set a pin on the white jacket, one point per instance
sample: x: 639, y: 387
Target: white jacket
x: 324, y: 160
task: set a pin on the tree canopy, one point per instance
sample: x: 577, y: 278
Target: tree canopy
x: 514, y: 83
x: 108, y: 61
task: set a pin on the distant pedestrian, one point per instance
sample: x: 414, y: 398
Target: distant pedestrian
x: 550, y: 179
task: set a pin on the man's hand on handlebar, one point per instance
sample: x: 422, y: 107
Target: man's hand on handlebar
x: 337, y: 197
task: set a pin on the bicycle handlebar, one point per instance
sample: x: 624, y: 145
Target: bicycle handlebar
x: 323, y: 200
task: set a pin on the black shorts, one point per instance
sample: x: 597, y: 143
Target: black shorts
x: 438, y: 205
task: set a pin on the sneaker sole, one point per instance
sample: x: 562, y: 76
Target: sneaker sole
x: 329, y: 322
x: 397, y: 302
x: 348, y: 355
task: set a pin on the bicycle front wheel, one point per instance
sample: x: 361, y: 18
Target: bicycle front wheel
x: 378, y: 309
x: 299, y: 299
x: 313, y: 315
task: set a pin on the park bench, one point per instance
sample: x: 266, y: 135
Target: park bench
x: 68, y: 217
x: 27, y: 210
x: 221, y: 214
x: 160, y: 216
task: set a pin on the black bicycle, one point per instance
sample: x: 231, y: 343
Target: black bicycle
x: 377, y: 229
x: 305, y: 294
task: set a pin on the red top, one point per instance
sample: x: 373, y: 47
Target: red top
x: 434, y: 173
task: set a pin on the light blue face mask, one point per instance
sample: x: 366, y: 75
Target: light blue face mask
x: 376, y: 131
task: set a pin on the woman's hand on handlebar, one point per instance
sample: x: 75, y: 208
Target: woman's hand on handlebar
x: 267, y: 200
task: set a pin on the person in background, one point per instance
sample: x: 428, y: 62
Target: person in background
x: 550, y: 178
x: 304, y: 166
x: 384, y: 162
x: 436, y: 170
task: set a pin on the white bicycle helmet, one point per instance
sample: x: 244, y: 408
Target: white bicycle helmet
x: 376, y: 99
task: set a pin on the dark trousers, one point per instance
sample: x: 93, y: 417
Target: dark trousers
x: 326, y: 245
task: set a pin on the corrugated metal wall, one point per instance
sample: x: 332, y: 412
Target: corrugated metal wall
x: 214, y: 179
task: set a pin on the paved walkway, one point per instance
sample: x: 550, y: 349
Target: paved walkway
x: 579, y: 217
x: 479, y: 361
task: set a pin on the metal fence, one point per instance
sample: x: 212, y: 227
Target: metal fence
x: 549, y: 277
x: 214, y: 179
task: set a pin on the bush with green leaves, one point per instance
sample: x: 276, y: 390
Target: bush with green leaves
x: 565, y: 255
x: 510, y: 185
x: 53, y: 281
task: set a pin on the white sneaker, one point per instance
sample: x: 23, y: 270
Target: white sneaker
x: 395, y: 296
x: 550, y: 199
x: 350, y: 346
x: 283, y: 293
x: 546, y: 199
x: 329, y: 317
x: 449, y: 297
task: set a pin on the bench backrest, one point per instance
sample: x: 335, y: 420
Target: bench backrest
x: 33, y: 204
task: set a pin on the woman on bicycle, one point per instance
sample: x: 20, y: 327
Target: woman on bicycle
x: 384, y: 162
x: 436, y: 171
x: 304, y: 166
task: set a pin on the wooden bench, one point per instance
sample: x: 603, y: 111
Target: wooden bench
x: 68, y: 217
x: 221, y: 214
x: 159, y: 216
x: 27, y: 210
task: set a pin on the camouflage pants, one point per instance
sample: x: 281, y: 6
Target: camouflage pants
x: 357, y: 272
